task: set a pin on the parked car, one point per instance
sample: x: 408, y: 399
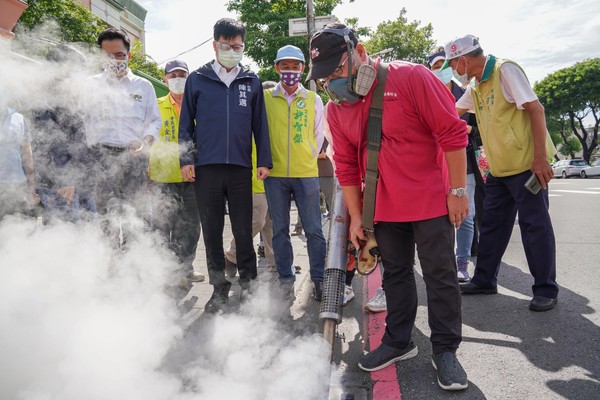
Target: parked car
x: 593, y: 170
x: 566, y: 168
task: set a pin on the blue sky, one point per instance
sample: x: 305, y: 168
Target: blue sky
x: 541, y: 35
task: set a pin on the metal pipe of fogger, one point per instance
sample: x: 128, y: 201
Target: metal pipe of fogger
x: 335, y: 268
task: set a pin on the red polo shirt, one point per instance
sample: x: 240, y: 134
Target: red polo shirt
x: 420, y: 123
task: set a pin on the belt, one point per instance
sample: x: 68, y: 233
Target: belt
x: 114, y: 149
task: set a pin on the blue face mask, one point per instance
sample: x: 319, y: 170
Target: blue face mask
x: 444, y: 75
x: 339, y: 92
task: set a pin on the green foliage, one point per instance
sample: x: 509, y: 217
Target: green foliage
x: 77, y: 23
x: 143, y: 62
x: 406, y: 40
x: 571, y: 96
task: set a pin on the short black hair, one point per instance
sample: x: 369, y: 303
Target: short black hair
x: 114, y: 33
x: 229, y: 28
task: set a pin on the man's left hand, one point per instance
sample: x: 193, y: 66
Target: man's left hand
x: 458, y: 209
x: 542, y: 168
x: 262, y: 173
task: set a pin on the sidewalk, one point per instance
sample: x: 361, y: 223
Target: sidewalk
x: 193, y: 303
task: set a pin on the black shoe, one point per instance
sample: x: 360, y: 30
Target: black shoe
x: 540, y: 303
x: 318, y: 291
x: 261, y: 251
x: 386, y: 355
x: 219, y: 298
x: 286, y: 290
x: 450, y: 374
x: 471, y: 288
x: 230, y: 268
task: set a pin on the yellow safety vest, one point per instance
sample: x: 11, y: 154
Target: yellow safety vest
x: 164, y: 154
x: 291, y: 132
x: 505, y: 130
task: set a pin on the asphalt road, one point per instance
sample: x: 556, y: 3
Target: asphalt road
x: 508, y: 351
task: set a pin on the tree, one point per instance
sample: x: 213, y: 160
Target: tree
x: 267, y: 27
x: 77, y: 23
x: 571, y: 96
x: 406, y: 40
x: 142, y: 62
x: 68, y: 21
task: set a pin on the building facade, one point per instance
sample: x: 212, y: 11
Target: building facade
x: 126, y: 14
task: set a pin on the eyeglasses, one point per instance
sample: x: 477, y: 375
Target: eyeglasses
x: 322, y: 83
x: 116, y: 56
x: 226, y: 46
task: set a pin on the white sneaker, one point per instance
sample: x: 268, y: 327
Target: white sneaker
x: 348, y: 294
x: 377, y: 303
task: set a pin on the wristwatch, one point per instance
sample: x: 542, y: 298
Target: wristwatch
x: 458, y: 192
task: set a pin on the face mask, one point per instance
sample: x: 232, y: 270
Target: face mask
x: 229, y: 58
x: 464, y: 78
x: 339, y: 92
x: 117, y: 68
x: 444, y: 75
x: 176, y: 85
x: 290, y: 78
x: 339, y: 89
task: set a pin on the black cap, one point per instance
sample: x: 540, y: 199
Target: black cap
x: 326, y: 48
x: 175, y: 65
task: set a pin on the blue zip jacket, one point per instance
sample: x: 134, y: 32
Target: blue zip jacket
x: 217, y: 122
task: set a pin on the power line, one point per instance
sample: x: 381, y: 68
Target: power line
x: 187, y: 51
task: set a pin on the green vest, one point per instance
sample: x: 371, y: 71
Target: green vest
x: 291, y: 131
x: 258, y: 186
x: 163, y: 165
x: 505, y: 130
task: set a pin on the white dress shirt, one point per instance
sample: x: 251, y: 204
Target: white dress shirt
x: 118, y: 112
x: 226, y: 76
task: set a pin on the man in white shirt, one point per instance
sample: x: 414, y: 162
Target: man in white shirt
x: 122, y: 120
x: 512, y: 124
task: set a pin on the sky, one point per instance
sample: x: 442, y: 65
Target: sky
x: 541, y: 35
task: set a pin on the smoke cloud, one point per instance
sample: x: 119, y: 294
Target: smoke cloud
x: 80, y: 319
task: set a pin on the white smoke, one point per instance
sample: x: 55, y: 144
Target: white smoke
x: 79, y: 319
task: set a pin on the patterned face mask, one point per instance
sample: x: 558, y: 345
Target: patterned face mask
x: 290, y: 78
x: 117, y: 68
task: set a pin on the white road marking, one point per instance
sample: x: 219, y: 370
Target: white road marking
x: 575, y: 191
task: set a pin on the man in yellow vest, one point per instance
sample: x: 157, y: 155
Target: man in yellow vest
x: 295, y: 117
x: 512, y: 124
x: 176, y: 213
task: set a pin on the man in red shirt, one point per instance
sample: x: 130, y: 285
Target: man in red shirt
x: 421, y: 195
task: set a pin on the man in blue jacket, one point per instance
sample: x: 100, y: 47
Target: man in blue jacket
x: 223, y: 108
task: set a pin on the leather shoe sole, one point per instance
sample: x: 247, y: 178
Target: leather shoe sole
x: 471, y: 288
x: 541, y: 303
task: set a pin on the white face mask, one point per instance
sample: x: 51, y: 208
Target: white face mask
x: 464, y: 78
x: 229, y: 58
x: 176, y: 85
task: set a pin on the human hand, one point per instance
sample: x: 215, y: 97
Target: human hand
x: 542, y: 168
x: 188, y: 173
x: 67, y: 192
x: 356, y: 231
x: 262, y: 173
x: 458, y: 209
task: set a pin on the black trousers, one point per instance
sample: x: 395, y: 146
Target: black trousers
x: 214, y: 185
x: 505, y: 197
x: 175, y: 215
x: 434, y: 239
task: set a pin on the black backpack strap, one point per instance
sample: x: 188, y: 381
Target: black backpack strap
x: 373, y: 146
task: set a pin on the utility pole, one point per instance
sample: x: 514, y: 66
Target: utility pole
x: 310, y: 21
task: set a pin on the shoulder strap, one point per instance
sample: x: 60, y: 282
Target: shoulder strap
x: 373, y: 146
